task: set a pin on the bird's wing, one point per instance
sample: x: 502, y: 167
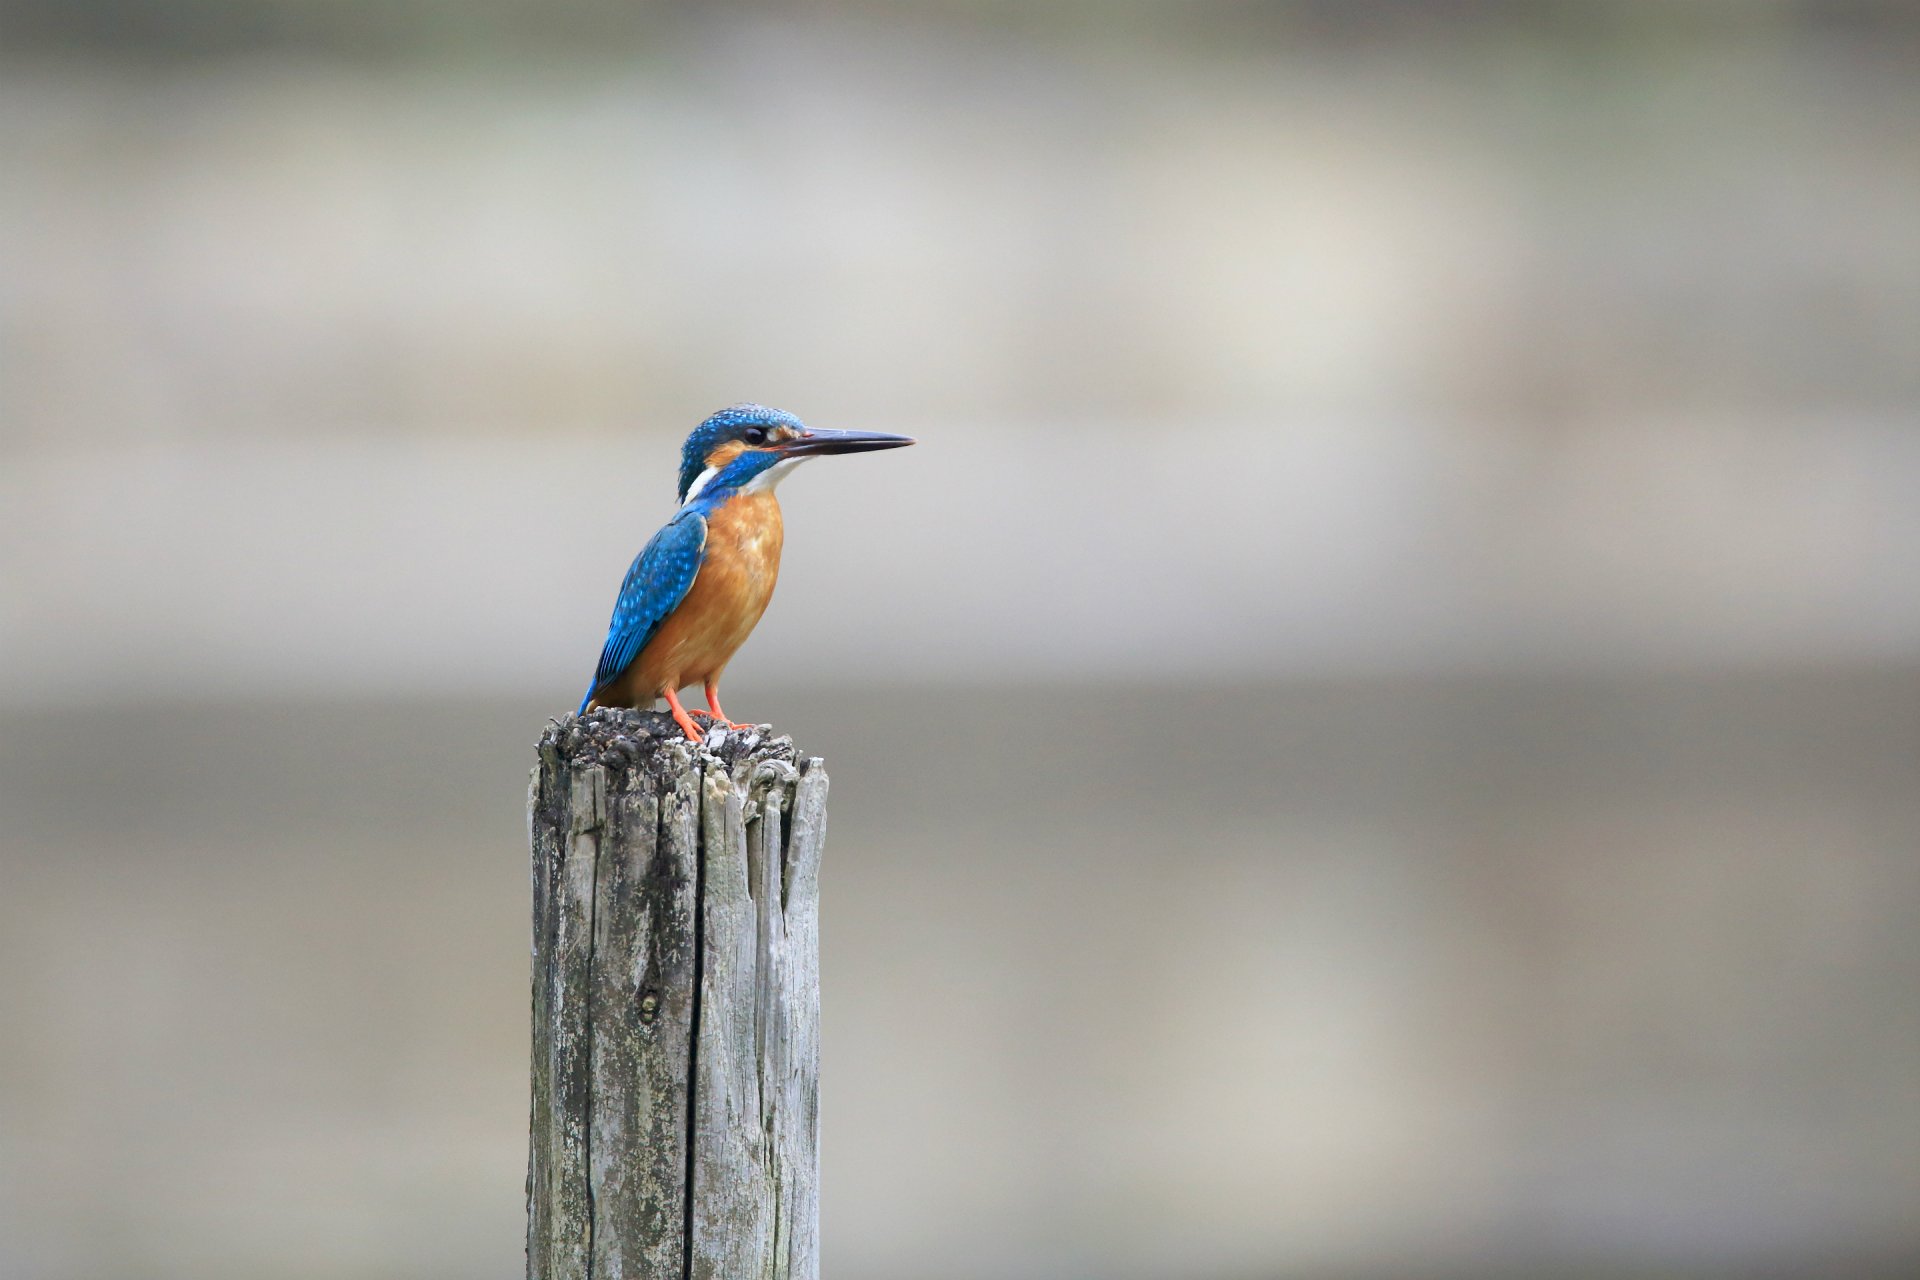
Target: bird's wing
x: 657, y: 581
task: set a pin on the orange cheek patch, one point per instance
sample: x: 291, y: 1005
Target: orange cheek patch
x: 726, y: 453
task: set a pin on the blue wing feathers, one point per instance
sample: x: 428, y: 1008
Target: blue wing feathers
x: 655, y: 584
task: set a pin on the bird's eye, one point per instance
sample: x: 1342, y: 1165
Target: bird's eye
x: 756, y: 435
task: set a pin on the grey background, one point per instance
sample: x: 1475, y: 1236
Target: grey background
x: 1374, y: 736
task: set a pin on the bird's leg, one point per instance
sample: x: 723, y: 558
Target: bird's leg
x: 685, y: 721
x: 713, y: 707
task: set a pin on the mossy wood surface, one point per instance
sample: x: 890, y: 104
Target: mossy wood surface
x: 676, y: 1004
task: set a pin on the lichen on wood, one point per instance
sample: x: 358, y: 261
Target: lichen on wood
x: 676, y: 1003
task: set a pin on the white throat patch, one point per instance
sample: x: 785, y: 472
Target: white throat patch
x: 761, y: 483
x: 772, y: 476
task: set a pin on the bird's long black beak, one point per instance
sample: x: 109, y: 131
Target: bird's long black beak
x: 814, y: 442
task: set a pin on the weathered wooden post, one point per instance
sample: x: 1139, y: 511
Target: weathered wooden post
x: 676, y: 1004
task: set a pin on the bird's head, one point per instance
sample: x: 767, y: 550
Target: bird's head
x: 750, y: 446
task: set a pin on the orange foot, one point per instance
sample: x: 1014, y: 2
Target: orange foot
x: 715, y: 713
x: 685, y: 720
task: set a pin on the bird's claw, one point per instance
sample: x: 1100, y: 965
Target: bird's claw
x: 691, y: 727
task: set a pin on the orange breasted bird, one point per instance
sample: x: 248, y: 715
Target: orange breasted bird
x: 694, y: 594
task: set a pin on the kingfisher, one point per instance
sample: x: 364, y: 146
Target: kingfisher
x: 695, y: 592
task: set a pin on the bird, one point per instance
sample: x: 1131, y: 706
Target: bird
x: 696, y: 591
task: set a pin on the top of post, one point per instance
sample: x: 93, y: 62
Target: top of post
x: 618, y: 738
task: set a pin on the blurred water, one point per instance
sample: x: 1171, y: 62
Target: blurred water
x: 1403, y: 978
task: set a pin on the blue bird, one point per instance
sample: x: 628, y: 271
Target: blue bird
x: 694, y: 594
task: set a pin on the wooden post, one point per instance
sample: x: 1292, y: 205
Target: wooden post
x: 676, y: 1004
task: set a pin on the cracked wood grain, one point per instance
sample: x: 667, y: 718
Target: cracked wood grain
x: 676, y: 1005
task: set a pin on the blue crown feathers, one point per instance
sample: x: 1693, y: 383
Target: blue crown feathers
x: 723, y: 426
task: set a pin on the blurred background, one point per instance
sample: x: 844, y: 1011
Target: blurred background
x: 1376, y: 736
